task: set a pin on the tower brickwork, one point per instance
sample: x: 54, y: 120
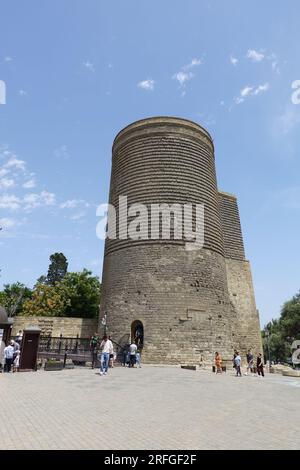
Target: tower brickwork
x: 183, y: 299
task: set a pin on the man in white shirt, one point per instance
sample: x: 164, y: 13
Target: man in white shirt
x: 9, y: 356
x: 106, y: 348
x: 132, y: 354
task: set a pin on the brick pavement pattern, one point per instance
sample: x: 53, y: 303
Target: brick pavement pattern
x: 148, y: 408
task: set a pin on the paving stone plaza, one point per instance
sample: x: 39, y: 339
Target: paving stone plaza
x: 148, y: 408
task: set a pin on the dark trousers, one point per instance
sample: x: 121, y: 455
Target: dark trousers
x: 238, y: 370
x: 124, y: 359
x: 260, y: 370
x: 7, y: 365
x: 94, y: 357
x: 132, y: 360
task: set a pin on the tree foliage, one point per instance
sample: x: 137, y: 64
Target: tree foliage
x: 83, y: 293
x: 76, y: 295
x: 13, y: 296
x: 283, y: 332
x: 57, y: 269
x: 59, y: 294
x: 47, y: 301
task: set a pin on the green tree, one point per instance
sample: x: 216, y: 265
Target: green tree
x: 57, y: 269
x: 84, y: 294
x: 76, y: 295
x: 13, y: 296
x: 47, y: 301
x: 42, y: 280
x: 283, y: 331
x: 290, y: 318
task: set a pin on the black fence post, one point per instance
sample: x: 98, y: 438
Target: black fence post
x: 65, y: 359
x: 59, y: 344
x: 76, y: 344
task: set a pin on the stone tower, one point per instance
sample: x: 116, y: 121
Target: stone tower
x: 178, y: 303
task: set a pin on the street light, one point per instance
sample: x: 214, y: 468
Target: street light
x: 267, y: 335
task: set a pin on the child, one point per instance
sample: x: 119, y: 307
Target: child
x: 138, y: 359
x: 16, y: 363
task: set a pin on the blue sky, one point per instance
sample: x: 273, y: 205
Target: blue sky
x: 77, y: 71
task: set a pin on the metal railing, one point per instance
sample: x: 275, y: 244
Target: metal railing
x: 76, y: 349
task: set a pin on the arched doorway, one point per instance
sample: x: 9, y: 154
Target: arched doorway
x: 137, y: 333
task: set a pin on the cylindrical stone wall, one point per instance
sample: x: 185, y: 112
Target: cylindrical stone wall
x: 180, y: 296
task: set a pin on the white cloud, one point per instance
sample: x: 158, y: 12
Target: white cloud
x: 73, y: 203
x: 275, y: 67
x: 78, y: 216
x: 3, y: 172
x: 88, y: 65
x: 194, y: 63
x: 261, y: 89
x: 8, y: 59
x: 61, y: 152
x: 10, y: 202
x: 254, y: 55
x: 147, y: 84
x: 6, y: 223
x: 6, y: 183
x: 233, y: 60
x: 288, y: 120
x: 29, y: 184
x: 23, y: 93
x: 14, y: 162
x: 251, y: 91
x: 245, y: 91
x: 183, y: 77
x: 35, y: 200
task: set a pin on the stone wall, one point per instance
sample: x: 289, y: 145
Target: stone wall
x: 231, y: 226
x: 56, y: 326
x: 180, y: 297
x: 247, y: 328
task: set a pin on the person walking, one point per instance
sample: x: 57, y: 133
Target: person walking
x: 132, y: 354
x: 16, y: 363
x: 111, y: 356
x: 260, y: 365
x: 106, y: 348
x: 250, y: 360
x: 8, y: 356
x: 218, y: 363
x: 138, y: 359
x: 238, y: 362
x: 19, y: 337
x: 235, y: 353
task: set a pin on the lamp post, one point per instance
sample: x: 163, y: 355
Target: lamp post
x: 103, y: 321
x: 267, y: 335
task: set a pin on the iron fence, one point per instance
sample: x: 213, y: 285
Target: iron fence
x: 77, y: 349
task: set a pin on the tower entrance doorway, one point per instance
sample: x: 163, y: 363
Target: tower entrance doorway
x: 137, y: 333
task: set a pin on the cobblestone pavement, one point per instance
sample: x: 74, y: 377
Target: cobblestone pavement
x: 148, y: 408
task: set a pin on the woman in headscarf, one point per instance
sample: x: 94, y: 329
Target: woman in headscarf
x: 218, y: 363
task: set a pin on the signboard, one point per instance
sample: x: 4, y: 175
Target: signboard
x: 296, y: 354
